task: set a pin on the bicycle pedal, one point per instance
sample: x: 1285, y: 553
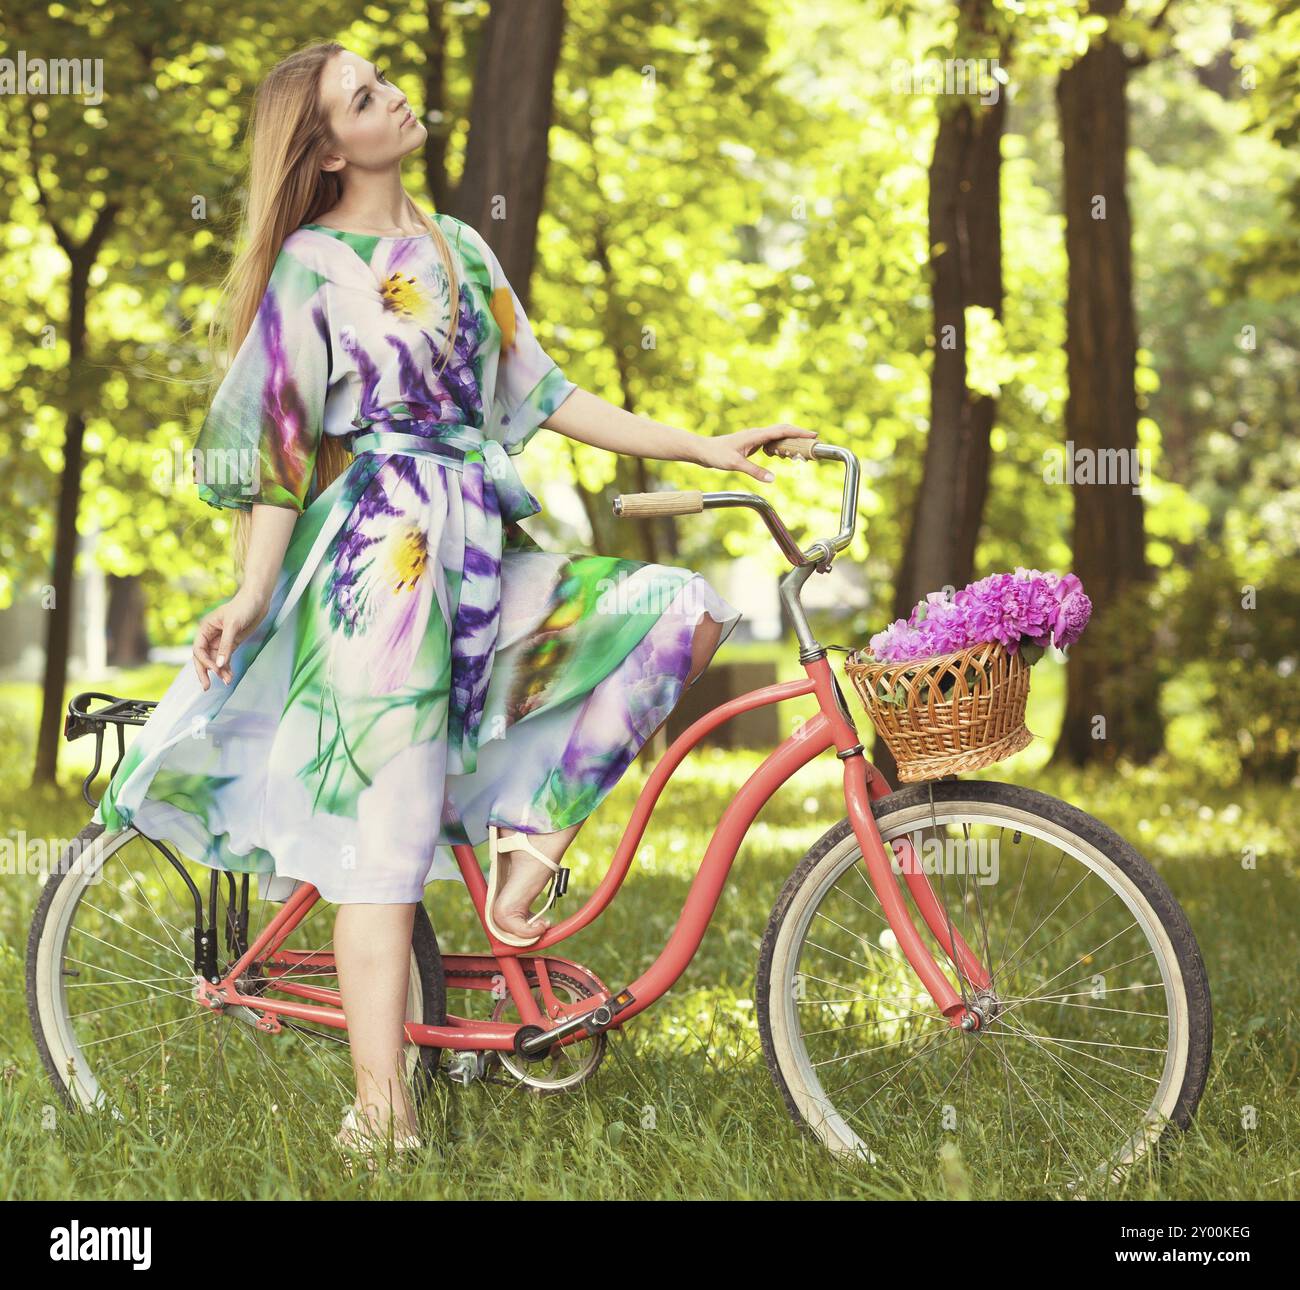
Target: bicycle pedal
x: 596, y: 1023
x: 465, y: 1066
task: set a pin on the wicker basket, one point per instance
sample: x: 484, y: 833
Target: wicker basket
x: 980, y: 721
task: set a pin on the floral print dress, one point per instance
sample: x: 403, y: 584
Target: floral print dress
x: 424, y: 667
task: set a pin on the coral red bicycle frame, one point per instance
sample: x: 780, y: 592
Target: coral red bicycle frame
x: 832, y: 727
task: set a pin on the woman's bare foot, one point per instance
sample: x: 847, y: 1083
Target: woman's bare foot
x: 374, y: 1119
x: 524, y: 876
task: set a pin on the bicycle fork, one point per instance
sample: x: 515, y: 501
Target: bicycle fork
x: 863, y: 783
x: 884, y: 881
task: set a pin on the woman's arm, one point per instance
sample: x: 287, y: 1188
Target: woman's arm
x: 588, y: 418
x: 229, y: 624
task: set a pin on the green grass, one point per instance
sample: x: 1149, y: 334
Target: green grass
x: 684, y: 1105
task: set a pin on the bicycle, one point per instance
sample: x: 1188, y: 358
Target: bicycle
x: 1091, y: 1016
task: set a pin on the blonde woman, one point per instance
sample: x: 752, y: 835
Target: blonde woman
x: 403, y: 667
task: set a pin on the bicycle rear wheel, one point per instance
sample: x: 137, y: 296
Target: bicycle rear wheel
x: 110, y: 981
x: 1098, y: 1025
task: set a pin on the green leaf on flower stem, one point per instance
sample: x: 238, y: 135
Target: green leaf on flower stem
x: 1031, y: 654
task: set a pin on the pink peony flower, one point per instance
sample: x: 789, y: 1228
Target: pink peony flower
x: 1027, y: 606
x: 1073, y: 609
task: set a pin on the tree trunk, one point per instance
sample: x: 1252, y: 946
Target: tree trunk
x: 60, y: 607
x: 438, y: 117
x: 505, y: 175
x: 965, y: 227
x: 504, y: 183
x: 81, y: 258
x: 128, y: 641
x: 1112, y: 691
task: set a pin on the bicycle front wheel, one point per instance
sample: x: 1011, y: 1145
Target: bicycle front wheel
x: 1097, y: 1023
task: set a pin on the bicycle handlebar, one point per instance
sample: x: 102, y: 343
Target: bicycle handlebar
x: 797, y: 447
x: 668, y: 502
x: 821, y: 553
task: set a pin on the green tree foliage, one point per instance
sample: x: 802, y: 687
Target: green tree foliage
x: 735, y: 234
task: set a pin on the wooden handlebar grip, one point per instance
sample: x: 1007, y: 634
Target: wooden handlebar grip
x: 791, y: 448
x: 668, y: 502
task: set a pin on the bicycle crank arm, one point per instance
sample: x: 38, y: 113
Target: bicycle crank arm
x: 535, y: 1043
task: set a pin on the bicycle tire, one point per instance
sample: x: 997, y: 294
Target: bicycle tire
x: 830, y: 852
x: 43, y: 1006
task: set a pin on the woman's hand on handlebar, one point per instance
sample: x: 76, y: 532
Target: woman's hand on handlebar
x: 222, y: 630
x: 731, y: 451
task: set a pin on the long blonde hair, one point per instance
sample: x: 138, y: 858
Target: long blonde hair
x: 285, y: 188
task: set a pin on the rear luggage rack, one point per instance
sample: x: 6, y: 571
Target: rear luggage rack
x: 117, y: 712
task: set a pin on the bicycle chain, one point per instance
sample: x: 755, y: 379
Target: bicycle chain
x: 485, y: 973
x: 489, y: 1077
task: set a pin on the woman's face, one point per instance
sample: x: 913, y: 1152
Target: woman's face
x: 370, y: 117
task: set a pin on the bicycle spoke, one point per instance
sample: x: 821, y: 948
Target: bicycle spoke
x: 1036, y: 1102
x: 1083, y: 918
x: 1052, y: 1062
x: 1064, y: 970
x: 858, y: 994
x: 1060, y: 1000
x: 1020, y: 887
x: 147, y: 905
x: 1034, y: 1039
x: 1035, y: 930
x: 140, y: 1029
x: 117, y: 949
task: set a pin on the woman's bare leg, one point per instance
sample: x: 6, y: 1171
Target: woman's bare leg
x: 372, y: 951
x: 525, y: 875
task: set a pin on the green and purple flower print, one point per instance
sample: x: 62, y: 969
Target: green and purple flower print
x: 424, y: 666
